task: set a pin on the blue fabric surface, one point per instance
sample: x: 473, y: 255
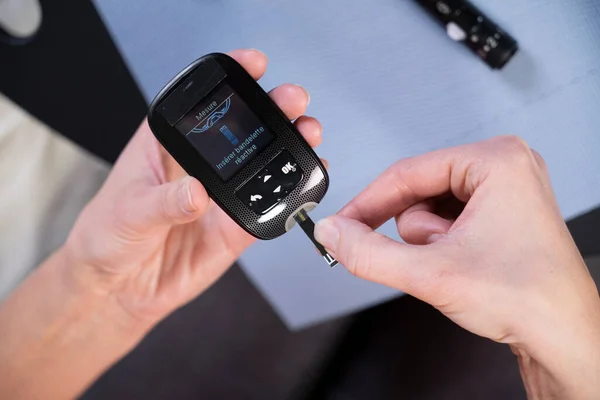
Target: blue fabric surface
x: 386, y: 83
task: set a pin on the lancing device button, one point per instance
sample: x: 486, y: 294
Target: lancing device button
x: 272, y: 184
x: 455, y: 32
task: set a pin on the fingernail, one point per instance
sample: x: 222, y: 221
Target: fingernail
x: 305, y: 91
x: 186, y: 199
x: 434, y: 238
x: 327, y: 233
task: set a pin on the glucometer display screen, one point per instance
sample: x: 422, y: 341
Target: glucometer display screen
x: 225, y: 131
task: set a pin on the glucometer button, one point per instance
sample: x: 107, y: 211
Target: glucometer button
x: 272, y: 184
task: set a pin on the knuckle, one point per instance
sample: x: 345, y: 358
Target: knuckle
x: 359, y: 259
x: 514, y: 152
x: 515, y: 145
x: 406, y: 224
x: 399, y: 180
x: 354, y: 260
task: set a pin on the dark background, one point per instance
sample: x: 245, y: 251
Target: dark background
x: 229, y: 343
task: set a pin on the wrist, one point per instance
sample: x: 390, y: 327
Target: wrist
x: 555, y: 381
x: 95, y: 292
x: 561, y: 358
x: 54, y: 326
x: 539, y: 382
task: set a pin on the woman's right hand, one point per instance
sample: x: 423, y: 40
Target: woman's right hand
x: 487, y: 246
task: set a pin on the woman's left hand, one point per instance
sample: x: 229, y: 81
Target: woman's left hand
x: 152, y: 239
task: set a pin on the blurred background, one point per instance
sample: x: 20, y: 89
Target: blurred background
x: 68, y: 105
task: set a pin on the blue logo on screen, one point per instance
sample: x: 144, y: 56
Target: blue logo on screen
x: 229, y: 135
x: 214, y: 118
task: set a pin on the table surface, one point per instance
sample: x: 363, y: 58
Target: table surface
x: 386, y: 83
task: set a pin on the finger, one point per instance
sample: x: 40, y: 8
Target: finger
x: 375, y: 257
x: 253, y: 61
x: 542, y: 166
x: 539, y: 159
x: 292, y: 99
x: 409, y: 181
x: 418, y: 225
x: 311, y: 130
x: 325, y: 163
x: 171, y: 203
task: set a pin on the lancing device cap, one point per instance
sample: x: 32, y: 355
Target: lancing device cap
x: 465, y: 23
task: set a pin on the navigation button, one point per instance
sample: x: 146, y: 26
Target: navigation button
x: 272, y: 184
x: 288, y: 167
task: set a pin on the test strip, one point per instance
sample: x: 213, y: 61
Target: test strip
x: 308, y: 226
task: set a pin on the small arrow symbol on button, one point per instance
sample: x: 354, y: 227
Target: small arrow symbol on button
x: 267, y: 177
x: 255, y: 197
x: 277, y: 190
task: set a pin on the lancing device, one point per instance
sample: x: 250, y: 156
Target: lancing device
x: 466, y: 24
x: 223, y: 129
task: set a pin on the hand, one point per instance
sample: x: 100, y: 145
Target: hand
x: 487, y: 246
x: 152, y: 239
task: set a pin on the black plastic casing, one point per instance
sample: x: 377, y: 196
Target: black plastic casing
x: 194, y: 84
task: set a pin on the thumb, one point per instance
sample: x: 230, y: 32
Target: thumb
x: 375, y: 257
x: 172, y: 203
